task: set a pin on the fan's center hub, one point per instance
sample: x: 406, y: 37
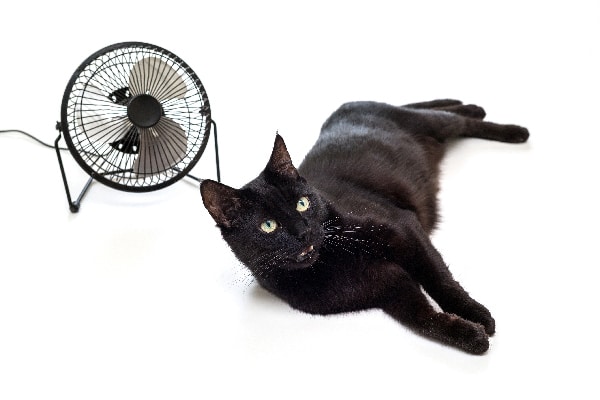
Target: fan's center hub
x: 144, y: 111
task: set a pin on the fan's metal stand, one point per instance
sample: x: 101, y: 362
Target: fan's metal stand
x: 74, y: 205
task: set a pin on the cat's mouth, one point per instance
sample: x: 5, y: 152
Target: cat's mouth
x: 306, y: 253
x: 305, y: 258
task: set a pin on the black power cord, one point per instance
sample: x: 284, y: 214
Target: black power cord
x: 32, y: 137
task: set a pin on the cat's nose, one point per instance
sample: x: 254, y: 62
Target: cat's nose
x: 302, y: 230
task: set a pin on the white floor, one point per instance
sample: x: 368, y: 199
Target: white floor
x: 137, y: 296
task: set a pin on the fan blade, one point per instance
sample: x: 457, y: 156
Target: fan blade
x: 161, y: 147
x: 109, y: 131
x: 93, y: 102
x: 101, y: 119
x: 177, y: 108
x: 153, y: 76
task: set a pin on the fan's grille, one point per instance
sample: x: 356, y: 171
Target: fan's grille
x: 107, y: 143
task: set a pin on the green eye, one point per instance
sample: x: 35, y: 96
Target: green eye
x: 302, y: 204
x: 268, y: 226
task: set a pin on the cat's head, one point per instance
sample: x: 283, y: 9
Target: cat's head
x: 275, y: 221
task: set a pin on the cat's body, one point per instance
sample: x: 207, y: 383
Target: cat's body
x: 349, y: 229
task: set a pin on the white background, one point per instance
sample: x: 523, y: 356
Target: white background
x: 137, y: 296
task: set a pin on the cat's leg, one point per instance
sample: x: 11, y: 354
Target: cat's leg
x: 493, y: 131
x: 466, y: 110
x: 387, y: 286
x: 434, y: 104
x: 443, y: 126
x: 415, y: 252
x: 450, y: 105
x: 425, y: 121
x: 407, y: 304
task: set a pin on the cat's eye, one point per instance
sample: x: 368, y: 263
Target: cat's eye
x: 302, y: 204
x: 268, y: 226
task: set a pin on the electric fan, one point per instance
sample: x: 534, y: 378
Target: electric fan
x: 135, y: 117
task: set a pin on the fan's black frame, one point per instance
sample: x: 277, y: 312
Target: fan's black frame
x: 62, y: 127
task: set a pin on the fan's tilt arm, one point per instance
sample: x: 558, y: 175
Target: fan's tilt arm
x: 214, y: 124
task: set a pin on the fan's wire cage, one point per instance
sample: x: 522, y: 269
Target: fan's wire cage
x: 135, y: 117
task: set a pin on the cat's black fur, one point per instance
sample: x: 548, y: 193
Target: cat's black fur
x: 371, y: 181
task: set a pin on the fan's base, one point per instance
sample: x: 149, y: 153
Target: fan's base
x: 75, y: 205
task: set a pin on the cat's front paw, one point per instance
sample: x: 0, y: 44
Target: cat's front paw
x: 475, y: 339
x: 489, y: 324
x: 479, y: 314
x: 466, y: 335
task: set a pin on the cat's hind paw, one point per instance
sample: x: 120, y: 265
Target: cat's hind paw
x: 515, y: 134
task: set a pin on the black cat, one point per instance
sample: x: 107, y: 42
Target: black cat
x: 349, y: 229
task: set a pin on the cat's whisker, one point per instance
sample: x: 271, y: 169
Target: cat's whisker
x: 328, y: 222
x: 334, y: 240
x: 265, y: 257
x: 260, y: 266
x: 355, y: 245
x: 263, y: 265
x: 243, y: 276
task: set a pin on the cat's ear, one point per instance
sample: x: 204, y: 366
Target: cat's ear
x: 281, y: 162
x: 221, y: 201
